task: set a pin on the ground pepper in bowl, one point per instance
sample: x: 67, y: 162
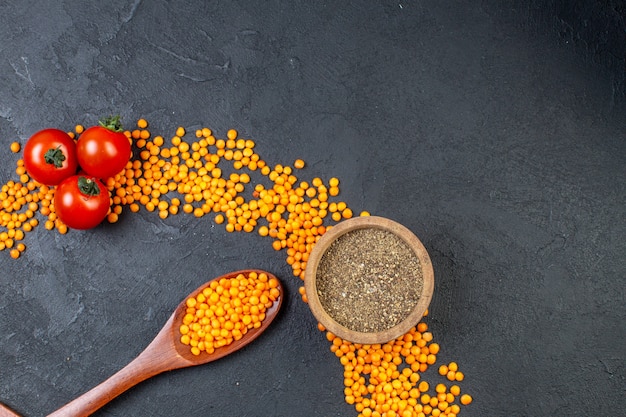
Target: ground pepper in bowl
x: 369, y: 280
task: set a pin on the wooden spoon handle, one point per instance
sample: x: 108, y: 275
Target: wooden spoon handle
x: 159, y: 356
x: 94, y: 399
x: 7, y: 412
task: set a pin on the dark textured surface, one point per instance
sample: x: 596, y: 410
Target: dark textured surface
x: 594, y: 31
x: 500, y: 145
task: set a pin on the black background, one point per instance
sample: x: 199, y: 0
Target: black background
x: 495, y: 132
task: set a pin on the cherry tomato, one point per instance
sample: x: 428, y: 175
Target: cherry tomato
x: 103, y: 150
x: 50, y: 156
x: 82, y: 202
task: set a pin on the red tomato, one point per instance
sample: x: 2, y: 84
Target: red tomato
x: 50, y: 156
x: 104, y: 150
x: 82, y: 202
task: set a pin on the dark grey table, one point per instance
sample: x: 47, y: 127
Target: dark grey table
x: 496, y: 134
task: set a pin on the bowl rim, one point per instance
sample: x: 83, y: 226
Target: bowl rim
x: 320, y: 248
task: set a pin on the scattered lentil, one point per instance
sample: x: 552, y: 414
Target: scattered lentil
x: 388, y: 379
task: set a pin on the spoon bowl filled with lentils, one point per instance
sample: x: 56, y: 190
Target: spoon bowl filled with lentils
x: 369, y: 280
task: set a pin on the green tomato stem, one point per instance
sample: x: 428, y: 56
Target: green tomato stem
x: 88, y: 186
x: 113, y: 123
x: 54, y: 156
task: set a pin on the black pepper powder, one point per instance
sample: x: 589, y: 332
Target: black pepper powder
x: 369, y: 280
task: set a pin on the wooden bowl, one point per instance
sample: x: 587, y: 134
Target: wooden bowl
x: 382, y: 335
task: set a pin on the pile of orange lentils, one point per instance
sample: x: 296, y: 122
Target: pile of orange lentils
x: 226, y: 309
x: 227, y: 179
x: 385, y: 380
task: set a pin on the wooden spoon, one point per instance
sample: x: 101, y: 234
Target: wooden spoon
x: 164, y: 353
x: 7, y: 412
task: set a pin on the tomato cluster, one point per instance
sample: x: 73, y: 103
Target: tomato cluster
x: 77, y: 169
